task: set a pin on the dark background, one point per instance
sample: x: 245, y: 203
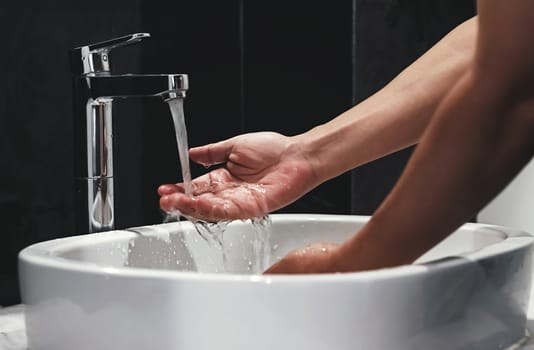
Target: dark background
x: 284, y: 66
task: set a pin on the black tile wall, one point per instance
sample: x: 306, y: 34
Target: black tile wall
x: 201, y: 40
x: 36, y: 117
x: 390, y: 34
x: 298, y: 74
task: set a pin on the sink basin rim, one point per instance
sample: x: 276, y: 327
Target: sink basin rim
x: 44, y: 254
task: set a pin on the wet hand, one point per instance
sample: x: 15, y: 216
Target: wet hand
x: 217, y: 196
x: 315, y: 258
x: 262, y: 172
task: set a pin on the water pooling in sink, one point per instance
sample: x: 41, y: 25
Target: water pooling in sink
x: 213, y: 233
x: 177, y: 246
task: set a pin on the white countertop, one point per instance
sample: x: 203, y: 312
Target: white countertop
x: 12, y: 328
x: 13, y: 335
x: 530, y: 343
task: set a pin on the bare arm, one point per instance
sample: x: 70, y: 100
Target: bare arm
x: 479, y: 138
x: 396, y: 116
x: 266, y: 171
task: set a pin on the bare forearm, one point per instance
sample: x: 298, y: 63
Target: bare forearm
x: 395, y: 117
x: 478, y: 138
x: 477, y: 141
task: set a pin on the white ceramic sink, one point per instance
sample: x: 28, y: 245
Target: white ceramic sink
x: 470, y: 292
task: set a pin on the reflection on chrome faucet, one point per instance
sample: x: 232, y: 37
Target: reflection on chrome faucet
x: 94, y: 89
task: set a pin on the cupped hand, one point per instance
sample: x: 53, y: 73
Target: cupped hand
x: 262, y: 172
x: 314, y: 258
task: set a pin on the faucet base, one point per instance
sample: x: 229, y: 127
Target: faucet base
x: 97, y: 214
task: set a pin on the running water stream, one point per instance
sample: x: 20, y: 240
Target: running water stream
x: 213, y: 233
x: 177, y: 110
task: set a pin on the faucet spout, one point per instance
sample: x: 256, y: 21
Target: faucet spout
x: 134, y: 85
x: 95, y: 89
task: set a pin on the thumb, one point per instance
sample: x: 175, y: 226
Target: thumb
x: 213, y: 153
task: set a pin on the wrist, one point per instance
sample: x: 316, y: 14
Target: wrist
x: 316, y: 146
x: 302, y: 147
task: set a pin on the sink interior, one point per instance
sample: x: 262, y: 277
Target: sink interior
x: 178, y: 246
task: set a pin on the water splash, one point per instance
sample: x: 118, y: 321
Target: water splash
x: 262, y: 246
x: 213, y: 233
x: 258, y: 236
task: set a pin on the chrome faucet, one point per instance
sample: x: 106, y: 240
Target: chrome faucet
x: 94, y: 89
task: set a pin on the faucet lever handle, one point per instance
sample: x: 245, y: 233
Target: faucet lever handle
x: 117, y: 42
x: 94, y: 58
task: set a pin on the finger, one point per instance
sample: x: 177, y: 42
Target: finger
x: 241, y: 170
x: 206, y: 183
x: 217, y: 209
x: 213, y: 181
x: 271, y: 270
x: 277, y: 269
x: 177, y: 201
x: 167, y: 189
x: 201, y: 184
x: 213, y: 153
x: 196, y: 207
